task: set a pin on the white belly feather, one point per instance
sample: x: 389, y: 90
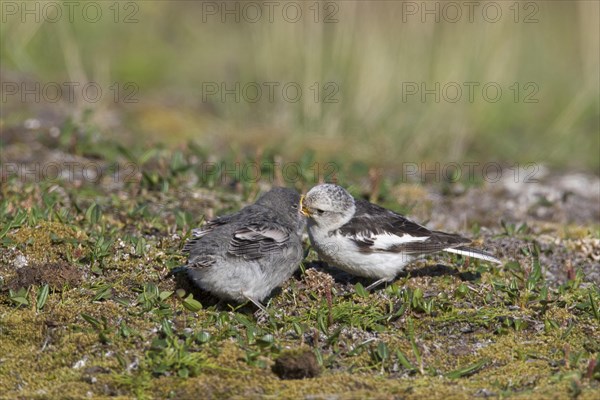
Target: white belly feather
x: 343, y: 253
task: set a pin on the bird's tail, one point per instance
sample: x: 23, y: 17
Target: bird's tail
x: 475, y: 253
x: 176, y: 271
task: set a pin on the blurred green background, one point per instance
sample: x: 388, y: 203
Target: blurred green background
x: 379, y: 80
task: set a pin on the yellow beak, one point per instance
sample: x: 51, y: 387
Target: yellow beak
x: 303, y: 209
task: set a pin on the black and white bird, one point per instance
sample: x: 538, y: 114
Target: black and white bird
x: 367, y: 240
x: 245, y: 255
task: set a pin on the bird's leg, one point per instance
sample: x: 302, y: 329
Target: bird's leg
x: 257, y: 304
x: 376, y: 283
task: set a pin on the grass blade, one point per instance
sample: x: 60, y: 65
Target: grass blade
x: 470, y: 370
x: 42, y: 297
x: 594, y: 306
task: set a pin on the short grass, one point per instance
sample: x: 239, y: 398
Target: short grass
x: 86, y: 308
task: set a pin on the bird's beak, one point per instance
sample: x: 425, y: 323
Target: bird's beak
x: 303, y: 208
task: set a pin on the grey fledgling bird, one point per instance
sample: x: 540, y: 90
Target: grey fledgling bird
x: 364, y: 239
x: 245, y: 255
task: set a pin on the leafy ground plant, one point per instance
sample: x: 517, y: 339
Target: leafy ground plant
x: 87, y: 309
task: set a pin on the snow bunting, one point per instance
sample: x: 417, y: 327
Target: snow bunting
x: 367, y: 240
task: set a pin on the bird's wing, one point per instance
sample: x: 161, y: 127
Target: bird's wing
x: 376, y: 229
x: 198, y: 233
x: 201, y: 261
x: 255, y: 241
x: 436, y: 242
x: 211, y: 225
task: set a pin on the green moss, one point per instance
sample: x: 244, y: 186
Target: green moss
x: 48, y: 241
x: 122, y: 332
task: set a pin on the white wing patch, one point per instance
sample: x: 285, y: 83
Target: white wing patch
x: 386, y: 241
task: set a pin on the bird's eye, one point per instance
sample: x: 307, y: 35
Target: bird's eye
x: 319, y: 211
x: 295, y: 206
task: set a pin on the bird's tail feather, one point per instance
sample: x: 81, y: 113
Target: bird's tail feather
x: 475, y: 253
x: 176, y: 271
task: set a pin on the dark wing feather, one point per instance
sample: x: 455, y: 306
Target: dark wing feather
x: 255, y: 241
x: 204, y: 230
x: 371, y: 220
x: 201, y: 261
x: 437, y: 242
x: 187, y: 247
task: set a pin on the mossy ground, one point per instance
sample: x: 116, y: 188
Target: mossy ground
x: 96, y: 315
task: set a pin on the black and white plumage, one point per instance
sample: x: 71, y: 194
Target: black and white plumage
x: 245, y: 255
x: 367, y: 240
